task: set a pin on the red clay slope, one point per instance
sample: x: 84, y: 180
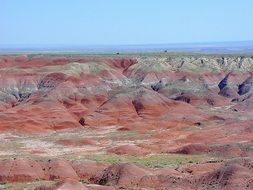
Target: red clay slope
x: 189, y: 105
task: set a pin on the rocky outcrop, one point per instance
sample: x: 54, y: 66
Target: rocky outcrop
x: 233, y: 174
x: 246, y: 86
x: 227, y: 87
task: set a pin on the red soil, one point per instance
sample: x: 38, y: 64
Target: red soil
x: 180, y: 112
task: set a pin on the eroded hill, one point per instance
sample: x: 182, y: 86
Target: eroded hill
x: 152, y: 121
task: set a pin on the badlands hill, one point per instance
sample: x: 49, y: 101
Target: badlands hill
x: 157, y: 121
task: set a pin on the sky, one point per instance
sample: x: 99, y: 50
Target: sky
x: 123, y: 22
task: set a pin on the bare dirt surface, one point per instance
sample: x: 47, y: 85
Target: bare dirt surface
x: 133, y: 122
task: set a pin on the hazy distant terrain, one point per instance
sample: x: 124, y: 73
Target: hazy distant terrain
x: 218, y: 48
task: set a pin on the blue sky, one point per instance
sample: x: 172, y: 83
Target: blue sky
x: 110, y: 22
